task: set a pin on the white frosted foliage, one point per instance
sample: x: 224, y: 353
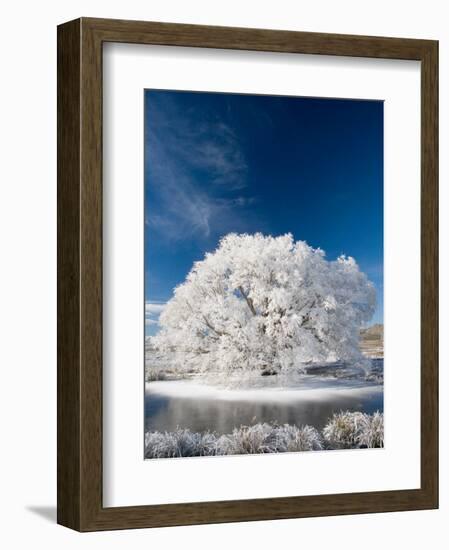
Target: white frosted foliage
x: 261, y: 303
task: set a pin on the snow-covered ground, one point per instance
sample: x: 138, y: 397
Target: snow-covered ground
x: 309, y: 387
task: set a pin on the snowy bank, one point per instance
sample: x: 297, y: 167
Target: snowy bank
x: 308, y: 387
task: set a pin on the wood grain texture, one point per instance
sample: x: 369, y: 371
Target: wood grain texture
x: 69, y: 407
x: 80, y: 274
x: 429, y: 271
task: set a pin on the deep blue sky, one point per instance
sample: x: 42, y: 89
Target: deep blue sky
x: 216, y: 163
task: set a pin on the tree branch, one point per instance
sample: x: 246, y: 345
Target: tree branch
x: 209, y: 325
x: 248, y: 301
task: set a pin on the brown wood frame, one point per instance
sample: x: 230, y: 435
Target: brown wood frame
x: 80, y: 274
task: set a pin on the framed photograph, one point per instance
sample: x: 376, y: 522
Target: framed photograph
x: 247, y: 274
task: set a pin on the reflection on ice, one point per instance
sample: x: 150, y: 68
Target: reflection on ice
x: 304, y: 399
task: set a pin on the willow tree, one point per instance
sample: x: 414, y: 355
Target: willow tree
x: 262, y: 303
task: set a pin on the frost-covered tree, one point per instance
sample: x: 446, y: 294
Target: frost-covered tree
x: 262, y: 303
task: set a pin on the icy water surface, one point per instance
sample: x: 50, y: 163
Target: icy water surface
x: 310, y: 400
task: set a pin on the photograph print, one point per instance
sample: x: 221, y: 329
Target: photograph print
x: 263, y: 274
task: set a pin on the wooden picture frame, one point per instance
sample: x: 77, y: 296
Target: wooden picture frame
x: 80, y: 503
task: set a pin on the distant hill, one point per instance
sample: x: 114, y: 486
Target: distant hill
x: 375, y: 332
x: 372, y: 340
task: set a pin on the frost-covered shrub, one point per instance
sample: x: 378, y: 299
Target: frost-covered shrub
x: 264, y: 304
x: 259, y: 438
x: 347, y: 430
x: 256, y: 439
x: 291, y: 439
x: 372, y: 433
x: 181, y: 442
x: 342, y: 430
x: 265, y: 438
x: 152, y: 375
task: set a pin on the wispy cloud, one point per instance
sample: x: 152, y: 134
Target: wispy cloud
x: 214, y: 147
x: 200, y: 141
x: 154, y: 308
x: 153, y: 311
x: 196, y: 170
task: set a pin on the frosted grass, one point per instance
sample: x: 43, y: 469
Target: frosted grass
x: 345, y: 430
x: 348, y: 430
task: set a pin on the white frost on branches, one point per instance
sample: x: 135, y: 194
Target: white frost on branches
x: 261, y: 303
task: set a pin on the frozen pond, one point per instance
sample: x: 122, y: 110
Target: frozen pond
x: 310, y: 400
